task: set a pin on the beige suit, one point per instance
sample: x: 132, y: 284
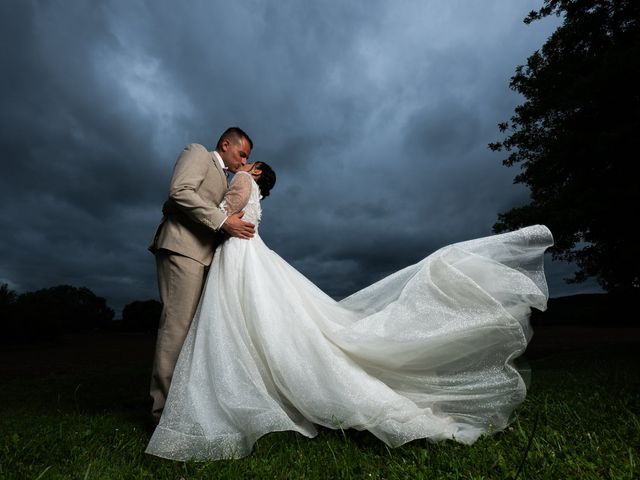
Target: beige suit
x: 183, y: 244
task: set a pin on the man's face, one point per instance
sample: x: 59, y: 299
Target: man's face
x: 235, y: 154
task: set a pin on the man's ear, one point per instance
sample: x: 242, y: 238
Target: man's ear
x: 224, y: 146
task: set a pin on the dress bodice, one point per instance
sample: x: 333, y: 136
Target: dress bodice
x: 243, y: 195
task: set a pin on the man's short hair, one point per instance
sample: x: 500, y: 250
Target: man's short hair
x: 234, y: 135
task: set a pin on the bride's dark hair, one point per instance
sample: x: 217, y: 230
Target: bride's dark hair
x: 267, y: 179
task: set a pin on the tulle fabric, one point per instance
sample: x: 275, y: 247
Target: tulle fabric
x: 424, y: 353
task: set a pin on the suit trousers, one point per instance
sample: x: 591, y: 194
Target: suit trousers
x: 180, y: 281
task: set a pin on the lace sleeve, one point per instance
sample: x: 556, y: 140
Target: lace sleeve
x: 237, y: 196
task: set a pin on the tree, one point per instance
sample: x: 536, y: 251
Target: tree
x: 7, y: 296
x: 7, y: 301
x: 577, y: 138
x: 142, y: 315
x: 61, y: 309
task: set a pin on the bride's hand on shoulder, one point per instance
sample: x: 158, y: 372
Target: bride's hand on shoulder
x: 236, y: 227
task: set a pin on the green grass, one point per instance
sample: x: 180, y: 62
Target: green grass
x: 580, y: 420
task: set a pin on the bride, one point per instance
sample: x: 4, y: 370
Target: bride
x: 426, y: 352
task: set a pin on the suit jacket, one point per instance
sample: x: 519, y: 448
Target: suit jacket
x: 198, y: 185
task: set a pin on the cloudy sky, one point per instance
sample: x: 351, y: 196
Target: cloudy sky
x: 375, y: 114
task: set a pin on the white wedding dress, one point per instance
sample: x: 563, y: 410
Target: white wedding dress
x: 427, y: 352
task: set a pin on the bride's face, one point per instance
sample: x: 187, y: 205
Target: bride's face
x: 252, y: 168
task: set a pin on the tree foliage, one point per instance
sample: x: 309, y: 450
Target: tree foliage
x: 576, y: 138
x: 45, y: 313
x: 142, y: 316
x: 7, y: 296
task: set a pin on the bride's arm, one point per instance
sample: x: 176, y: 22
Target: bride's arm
x: 238, y: 194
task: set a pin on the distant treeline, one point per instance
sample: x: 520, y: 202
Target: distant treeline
x: 590, y: 310
x: 49, y: 312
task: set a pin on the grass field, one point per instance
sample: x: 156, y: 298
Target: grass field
x: 82, y: 414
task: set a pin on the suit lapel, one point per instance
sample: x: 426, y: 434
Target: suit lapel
x: 219, y: 168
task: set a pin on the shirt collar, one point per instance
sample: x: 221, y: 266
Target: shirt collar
x: 218, y: 158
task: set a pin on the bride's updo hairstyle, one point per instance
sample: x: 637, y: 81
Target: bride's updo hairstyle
x: 267, y: 179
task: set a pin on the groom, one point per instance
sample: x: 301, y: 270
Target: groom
x: 184, y: 243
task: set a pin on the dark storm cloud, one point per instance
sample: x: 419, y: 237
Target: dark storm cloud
x: 74, y: 169
x: 376, y: 119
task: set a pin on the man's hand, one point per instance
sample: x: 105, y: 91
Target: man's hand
x: 236, y: 227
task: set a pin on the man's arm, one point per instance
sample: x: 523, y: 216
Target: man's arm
x: 189, y: 172
x: 232, y: 226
